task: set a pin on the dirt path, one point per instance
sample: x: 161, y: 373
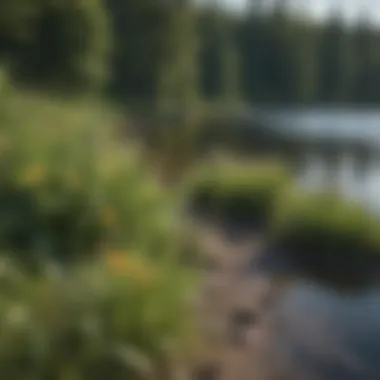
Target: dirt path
x: 234, y: 311
x: 249, y: 334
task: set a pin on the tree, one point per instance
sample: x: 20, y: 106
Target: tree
x: 178, y: 81
x: 141, y: 33
x: 367, y: 78
x: 331, y: 60
x: 306, y: 67
x: 55, y: 44
x: 230, y: 61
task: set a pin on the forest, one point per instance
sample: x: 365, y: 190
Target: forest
x: 148, y: 53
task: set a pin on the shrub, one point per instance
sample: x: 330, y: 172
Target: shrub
x: 328, y: 236
x: 240, y: 192
x: 68, y: 188
x: 116, y: 319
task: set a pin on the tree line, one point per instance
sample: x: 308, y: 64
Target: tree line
x: 170, y: 53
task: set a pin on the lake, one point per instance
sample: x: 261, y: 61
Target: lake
x: 360, y: 124
x: 325, y: 335
x: 356, y: 181
x: 310, y: 331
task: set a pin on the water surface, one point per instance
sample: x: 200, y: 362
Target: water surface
x: 326, y: 335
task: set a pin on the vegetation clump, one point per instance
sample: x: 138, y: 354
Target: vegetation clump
x: 100, y: 321
x: 92, y: 285
x: 240, y: 192
x: 329, y: 237
x: 69, y: 189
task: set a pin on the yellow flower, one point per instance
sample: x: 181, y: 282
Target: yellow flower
x: 136, y: 269
x: 109, y: 216
x: 33, y: 176
x: 116, y: 261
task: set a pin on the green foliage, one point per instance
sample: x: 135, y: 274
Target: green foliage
x: 72, y: 192
x: 153, y: 54
x: 69, y: 187
x: 243, y: 192
x: 328, y: 236
x: 122, y: 318
x: 57, y: 45
x: 142, y: 36
x: 16, y: 18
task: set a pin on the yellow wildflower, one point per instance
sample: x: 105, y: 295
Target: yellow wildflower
x: 33, y: 176
x: 116, y: 261
x: 123, y: 264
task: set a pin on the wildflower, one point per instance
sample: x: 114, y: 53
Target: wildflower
x: 116, y: 261
x: 136, y: 269
x: 33, y: 176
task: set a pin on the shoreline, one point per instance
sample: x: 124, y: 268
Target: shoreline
x: 250, y: 351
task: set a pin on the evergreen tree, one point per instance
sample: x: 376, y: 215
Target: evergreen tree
x: 55, y: 44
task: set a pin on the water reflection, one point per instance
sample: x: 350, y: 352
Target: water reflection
x: 328, y: 335
x: 359, y: 182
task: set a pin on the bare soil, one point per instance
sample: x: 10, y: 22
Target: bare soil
x: 235, y: 311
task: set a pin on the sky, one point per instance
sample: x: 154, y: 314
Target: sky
x: 320, y: 8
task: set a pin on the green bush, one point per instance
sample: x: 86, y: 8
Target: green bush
x: 238, y: 191
x: 328, y: 236
x: 71, y: 192
x: 118, y: 319
x: 69, y: 188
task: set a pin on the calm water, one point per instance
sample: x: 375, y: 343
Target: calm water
x: 359, y: 183
x: 360, y: 124
x: 325, y: 335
